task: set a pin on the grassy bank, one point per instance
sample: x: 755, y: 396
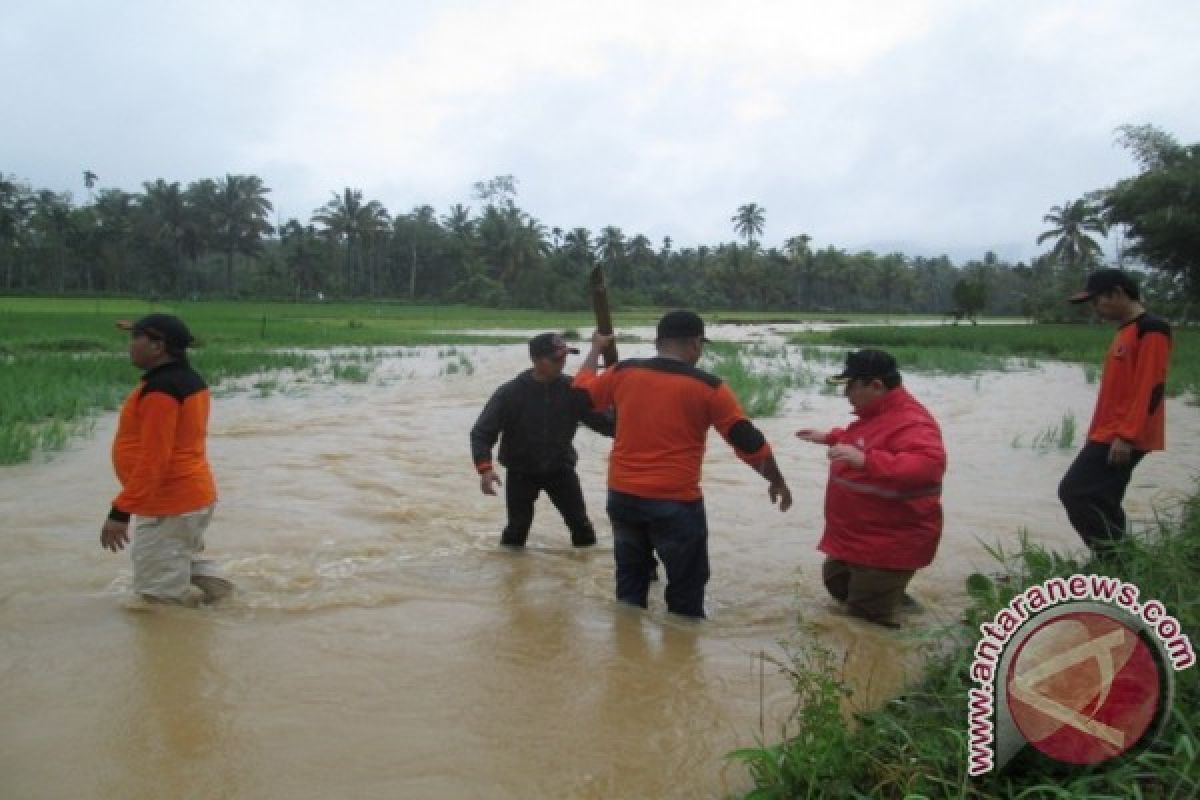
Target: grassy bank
x: 916, y: 745
x: 968, y: 348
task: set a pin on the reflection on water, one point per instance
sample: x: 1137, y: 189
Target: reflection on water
x: 382, y: 645
x: 171, y: 725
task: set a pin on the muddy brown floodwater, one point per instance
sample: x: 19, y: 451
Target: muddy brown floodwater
x: 383, y: 646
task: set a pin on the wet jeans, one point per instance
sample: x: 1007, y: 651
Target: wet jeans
x: 1092, y: 492
x: 521, y: 490
x: 678, y: 532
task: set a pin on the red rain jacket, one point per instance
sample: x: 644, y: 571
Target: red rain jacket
x: 889, y: 513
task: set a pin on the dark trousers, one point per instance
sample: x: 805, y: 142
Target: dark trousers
x: 872, y: 593
x: 521, y: 490
x: 1092, y: 492
x: 678, y: 532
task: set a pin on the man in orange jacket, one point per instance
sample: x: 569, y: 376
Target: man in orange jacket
x: 159, y: 457
x: 664, y: 408
x: 1130, y: 415
x: 883, y: 505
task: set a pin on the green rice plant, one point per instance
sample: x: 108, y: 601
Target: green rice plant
x: 759, y: 377
x: 17, y: 444
x: 349, y: 373
x: 1066, y: 432
x: 266, y: 387
x: 1060, y: 436
x: 50, y: 396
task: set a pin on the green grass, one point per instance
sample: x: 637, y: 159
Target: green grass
x: 916, y: 744
x: 957, y: 349
x: 759, y: 376
x: 1053, y: 437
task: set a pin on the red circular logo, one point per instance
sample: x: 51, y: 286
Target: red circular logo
x: 1083, y: 688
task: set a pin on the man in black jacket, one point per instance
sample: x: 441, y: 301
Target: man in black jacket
x: 535, y: 416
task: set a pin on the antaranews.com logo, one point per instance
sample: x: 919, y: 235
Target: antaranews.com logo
x: 1078, y: 668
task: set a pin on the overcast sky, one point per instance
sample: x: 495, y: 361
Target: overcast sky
x: 928, y: 127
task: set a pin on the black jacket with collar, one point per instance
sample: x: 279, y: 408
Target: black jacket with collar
x: 535, y: 423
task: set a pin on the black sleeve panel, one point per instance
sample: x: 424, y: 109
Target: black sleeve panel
x: 1148, y: 323
x: 745, y: 437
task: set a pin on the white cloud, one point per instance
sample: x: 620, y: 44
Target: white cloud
x: 946, y: 125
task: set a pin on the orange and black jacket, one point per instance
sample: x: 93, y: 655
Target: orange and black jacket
x: 159, y: 450
x: 1130, y: 403
x: 664, y: 410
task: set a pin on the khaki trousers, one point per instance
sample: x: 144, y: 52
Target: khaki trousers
x: 165, y: 562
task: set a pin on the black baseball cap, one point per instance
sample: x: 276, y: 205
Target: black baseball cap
x: 867, y: 365
x: 680, y: 324
x: 1105, y: 280
x: 167, y: 328
x: 548, y: 345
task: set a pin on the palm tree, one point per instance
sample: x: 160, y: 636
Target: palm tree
x: 89, y: 181
x: 748, y: 221
x: 115, y: 216
x: 458, y: 221
x: 512, y: 242
x: 164, y: 217
x: 301, y: 248
x: 578, y: 243
x: 237, y: 211
x: 16, y: 207
x: 346, y: 218
x: 610, y: 245
x: 1070, y: 225
x: 421, y: 229
x: 801, y: 256
x: 51, y: 221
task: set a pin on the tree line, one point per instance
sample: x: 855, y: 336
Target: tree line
x: 214, y: 238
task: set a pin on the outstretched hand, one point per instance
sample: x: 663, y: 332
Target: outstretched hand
x: 813, y: 435
x: 488, y: 481
x: 780, y: 492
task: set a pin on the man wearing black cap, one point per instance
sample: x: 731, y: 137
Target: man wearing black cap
x: 1130, y: 416
x: 883, y: 507
x: 160, y: 460
x: 664, y: 408
x: 535, y: 416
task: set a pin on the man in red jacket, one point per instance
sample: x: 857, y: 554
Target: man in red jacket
x: 883, y: 507
x: 1130, y: 416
